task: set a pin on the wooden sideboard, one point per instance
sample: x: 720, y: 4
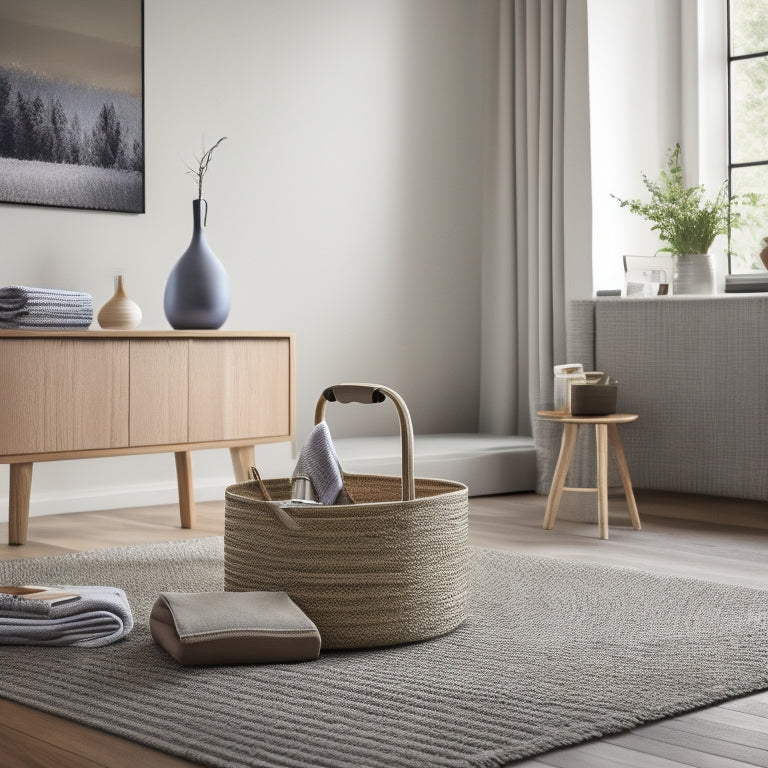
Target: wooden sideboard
x: 81, y: 394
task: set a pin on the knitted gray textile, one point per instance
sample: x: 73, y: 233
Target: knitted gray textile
x: 100, y: 617
x: 319, y: 462
x: 24, y: 307
x: 553, y: 653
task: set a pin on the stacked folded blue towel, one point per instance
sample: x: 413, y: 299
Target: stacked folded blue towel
x: 23, y: 307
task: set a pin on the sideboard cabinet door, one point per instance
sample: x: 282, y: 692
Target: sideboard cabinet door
x: 239, y: 389
x: 159, y: 391
x: 63, y: 395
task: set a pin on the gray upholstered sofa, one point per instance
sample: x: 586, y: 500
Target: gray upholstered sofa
x: 696, y: 371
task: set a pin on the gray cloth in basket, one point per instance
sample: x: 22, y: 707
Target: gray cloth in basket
x: 101, y: 616
x: 318, y: 461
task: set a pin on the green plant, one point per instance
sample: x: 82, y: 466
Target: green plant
x: 684, y: 219
x: 202, y: 166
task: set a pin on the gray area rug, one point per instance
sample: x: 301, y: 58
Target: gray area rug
x: 554, y: 652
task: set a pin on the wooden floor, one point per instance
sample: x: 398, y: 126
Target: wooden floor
x: 716, y: 539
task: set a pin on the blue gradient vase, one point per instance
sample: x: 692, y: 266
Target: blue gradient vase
x: 197, y: 294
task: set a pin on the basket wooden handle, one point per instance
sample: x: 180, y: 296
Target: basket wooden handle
x: 375, y: 393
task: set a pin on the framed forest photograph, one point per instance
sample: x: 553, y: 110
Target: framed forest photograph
x: 72, y: 104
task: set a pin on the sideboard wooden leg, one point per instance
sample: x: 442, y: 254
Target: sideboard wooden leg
x: 186, y: 488
x: 243, y: 458
x: 18, y: 502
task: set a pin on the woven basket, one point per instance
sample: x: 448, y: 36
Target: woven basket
x: 391, y: 568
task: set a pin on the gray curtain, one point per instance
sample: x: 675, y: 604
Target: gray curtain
x: 523, y: 272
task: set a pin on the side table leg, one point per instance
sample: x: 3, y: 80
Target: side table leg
x: 243, y: 458
x: 601, y: 438
x: 613, y: 432
x: 18, y: 502
x: 186, y: 488
x: 567, y: 448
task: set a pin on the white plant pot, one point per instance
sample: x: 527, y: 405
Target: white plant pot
x: 694, y: 274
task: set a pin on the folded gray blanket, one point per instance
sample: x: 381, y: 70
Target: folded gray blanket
x: 100, y: 616
x: 25, y: 307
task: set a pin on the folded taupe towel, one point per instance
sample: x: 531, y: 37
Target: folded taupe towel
x: 233, y: 628
x: 101, y: 615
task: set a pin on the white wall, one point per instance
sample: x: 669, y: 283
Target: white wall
x: 345, y: 205
x: 657, y: 76
x: 577, y: 181
x: 635, y: 115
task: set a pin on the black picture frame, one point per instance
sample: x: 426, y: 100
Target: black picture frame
x: 72, y: 104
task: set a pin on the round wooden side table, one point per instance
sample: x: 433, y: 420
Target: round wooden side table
x: 605, y: 428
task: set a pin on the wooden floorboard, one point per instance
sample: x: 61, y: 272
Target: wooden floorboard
x: 701, y: 728
x: 724, y: 715
x: 601, y: 754
x: 665, y: 739
x: 753, y: 707
x: 20, y: 750
x: 38, y: 740
x: 723, y: 540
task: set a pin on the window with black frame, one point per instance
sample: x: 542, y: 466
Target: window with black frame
x: 748, y: 128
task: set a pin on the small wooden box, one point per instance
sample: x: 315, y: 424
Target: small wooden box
x: 593, y: 399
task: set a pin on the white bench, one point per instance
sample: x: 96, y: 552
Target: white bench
x: 486, y: 464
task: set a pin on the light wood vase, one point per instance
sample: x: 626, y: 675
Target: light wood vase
x: 120, y: 312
